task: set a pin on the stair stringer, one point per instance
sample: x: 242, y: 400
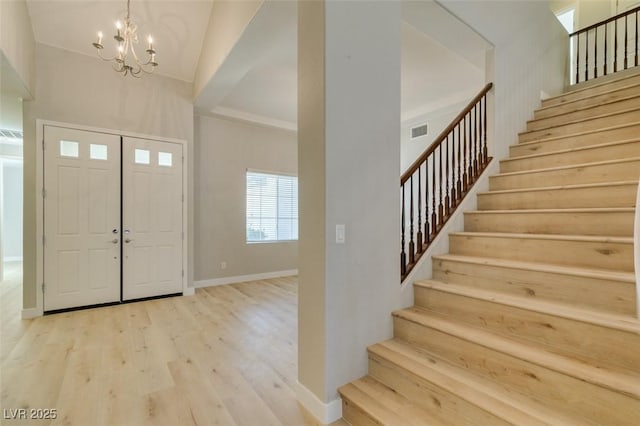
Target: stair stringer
x: 440, y: 245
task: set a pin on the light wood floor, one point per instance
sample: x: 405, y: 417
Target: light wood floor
x: 226, y: 356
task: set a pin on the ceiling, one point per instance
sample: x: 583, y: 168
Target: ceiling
x: 442, y: 59
x: 177, y: 27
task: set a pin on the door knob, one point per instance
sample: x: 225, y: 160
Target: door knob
x: 114, y: 241
x: 128, y: 240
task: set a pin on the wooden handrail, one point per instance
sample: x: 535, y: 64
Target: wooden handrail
x: 437, y: 182
x: 586, y: 41
x: 437, y: 141
x: 606, y: 21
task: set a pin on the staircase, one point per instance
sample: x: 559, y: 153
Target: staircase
x: 530, y: 319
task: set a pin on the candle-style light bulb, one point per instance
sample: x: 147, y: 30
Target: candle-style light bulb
x: 118, y: 27
x: 99, y: 37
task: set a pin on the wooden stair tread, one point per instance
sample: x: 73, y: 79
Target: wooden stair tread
x: 589, y: 316
x: 626, y: 383
x: 570, y: 166
x: 553, y: 237
x: 581, y: 120
x: 586, y: 86
x: 627, y: 277
x: 603, y: 94
x: 553, y: 211
x: 555, y: 187
x: 468, y: 386
x: 584, y: 109
x: 384, y: 404
x: 570, y: 150
x: 581, y: 133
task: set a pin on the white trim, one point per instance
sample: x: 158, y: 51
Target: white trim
x: 325, y: 413
x: 12, y: 259
x: 244, y: 278
x: 40, y: 124
x: 231, y: 113
x: 636, y: 245
x: 31, y: 313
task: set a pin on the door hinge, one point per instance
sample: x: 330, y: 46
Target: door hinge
x: 183, y: 235
x: 44, y: 193
x: 43, y: 144
x: 183, y: 272
x: 43, y: 240
x: 43, y: 287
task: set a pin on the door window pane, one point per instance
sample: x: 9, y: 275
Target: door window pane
x: 69, y: 149
x: 98, y: 152
x: 165, y: 159
x: 141, y: 156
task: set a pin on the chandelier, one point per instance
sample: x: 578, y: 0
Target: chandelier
x: 126, y: 60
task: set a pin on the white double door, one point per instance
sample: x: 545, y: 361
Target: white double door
x: 112, y: 218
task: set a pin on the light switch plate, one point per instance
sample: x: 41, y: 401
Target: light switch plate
x: 339, y: 234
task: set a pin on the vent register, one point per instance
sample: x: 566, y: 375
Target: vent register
x: 418, y: 131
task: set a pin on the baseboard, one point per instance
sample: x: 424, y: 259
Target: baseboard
x: 244, y: 278
x: 29, y: 313
x: 325, y: 413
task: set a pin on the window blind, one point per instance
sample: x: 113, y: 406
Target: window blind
x: 272, y: 207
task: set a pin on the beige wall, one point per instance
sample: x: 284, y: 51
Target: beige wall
x: 227, y: 22
x: 78, y: 89
x: 17, y: 43
x: 10, y: 112
x: 225, y: 149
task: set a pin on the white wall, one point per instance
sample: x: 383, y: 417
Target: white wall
x: 349, y: 159
x: 530, y: 56
x: 78, y: 89
x: 227, y: 21
x: 437, y: 121
x: 225, y: 149
x: 11, y: 209
x: 18, y: 46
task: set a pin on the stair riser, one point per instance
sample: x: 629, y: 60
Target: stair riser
x: 587, y: 102
x: 615, y: 107
x: 606, y: 295
x: 583, y: 94
x: 587, y: 341
x: 583, y: 126
x: 568, y: 223
x: 440, y: 402
x: 517, y: 375
x: 599, y: 173
x: 610, y: 196
x: 576, y: 141
x: 355, y: 415
x: 605, y: 255
x: 613, y: 152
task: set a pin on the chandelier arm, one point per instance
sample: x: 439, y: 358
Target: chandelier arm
x: 126, y: 40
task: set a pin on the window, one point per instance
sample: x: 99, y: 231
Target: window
x: 165, y: 159
x: 141, y: 156
x: 98, y: 152
x: 272, y: 207
x: 69, y: 149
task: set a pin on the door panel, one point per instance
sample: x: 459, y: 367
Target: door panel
x: 81, y: 211
x: 152, y: 218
